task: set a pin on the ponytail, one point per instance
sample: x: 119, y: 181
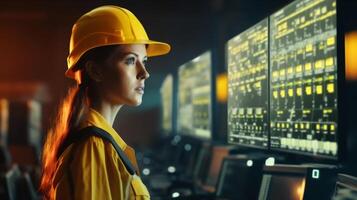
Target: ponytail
x: 71, y: 113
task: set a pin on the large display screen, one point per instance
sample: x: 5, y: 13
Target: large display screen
x: 194, y: 97
x: 248, y: 62
x: 303, y: 77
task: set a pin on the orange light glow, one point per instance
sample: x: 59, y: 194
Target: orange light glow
x: 350, y: 55
x: 4, y: 115
x: 222, y: 88
x: 300, y: 190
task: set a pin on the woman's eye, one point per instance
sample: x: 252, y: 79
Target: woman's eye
x: 130, y: 61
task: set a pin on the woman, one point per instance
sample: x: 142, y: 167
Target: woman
x: 84, y: 157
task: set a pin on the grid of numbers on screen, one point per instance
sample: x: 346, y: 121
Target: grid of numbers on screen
x: 247, y: 57
x: 303, y: 77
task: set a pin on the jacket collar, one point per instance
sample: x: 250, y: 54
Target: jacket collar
x: 96, y: 119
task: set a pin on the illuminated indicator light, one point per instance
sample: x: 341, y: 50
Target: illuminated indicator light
x: 319, y: 64
x: 282, y: 72
x: 327, y: 111
x: 317, y: 12
x: 282, y: 93
x: 298, y: 68
x: 146, y: 171
x: 175, y: 195
x: 249, y: 111
x: 315, y: 174
x: 308, y: 90
x: 330, y: 41
x: 254, y: 70
x: 249, y: 163
x: 290, y: 92
x: 324, y: 9
x: 296, y: 126
x: 278, y: 125
x: 283, y: 125
x: 329, y: 62
x: 302, y: 19
x: 275, y: 74
x: 302, y: 126
x: 258, y: 85
x: 290, y: 70
x: 332, y: 127
x: 171, y: 169
x: 270, y: 161
x: 317, y: 126
x: 299, y: 91
x: 308, y: 67
x: 330, y: 88
x: 258, y: 111
x: 319, y: 89
x: 275, y: 94
x: 307, y: 126
x: 324, y: 127
x: 308, y: 47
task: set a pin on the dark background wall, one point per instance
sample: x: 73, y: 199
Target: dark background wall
x: 34, y: 39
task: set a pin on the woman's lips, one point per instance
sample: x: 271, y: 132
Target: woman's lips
x: 140, y: 90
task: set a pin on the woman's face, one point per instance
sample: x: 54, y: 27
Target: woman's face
x: 123, y: 77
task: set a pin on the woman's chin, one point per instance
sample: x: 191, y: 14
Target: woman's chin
x: 136, y: 102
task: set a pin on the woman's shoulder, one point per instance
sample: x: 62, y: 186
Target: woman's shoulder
x: 94, y: 145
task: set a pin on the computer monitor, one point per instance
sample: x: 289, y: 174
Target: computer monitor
x: 218, y: 155
x: 166, y: 92
x: 239, y: 178
x: 346, y: 187
x: 304, y: 78
x: 248, y: 61
x: 285, y: 187
x: 297, y: 182
x: 194, y: 97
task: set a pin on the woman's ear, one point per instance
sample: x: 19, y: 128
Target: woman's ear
x: 94, y: 71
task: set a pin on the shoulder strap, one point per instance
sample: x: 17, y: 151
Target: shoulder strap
x: 98, y: 132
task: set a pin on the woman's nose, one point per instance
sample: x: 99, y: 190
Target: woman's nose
x: 143, y: 73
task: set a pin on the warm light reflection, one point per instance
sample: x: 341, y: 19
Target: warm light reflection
x: 300, y: 190
x: 221, y: 88
x: 350, y: 55
x: 4, y: 115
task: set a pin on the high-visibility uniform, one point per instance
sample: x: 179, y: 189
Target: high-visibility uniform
x: 92, y: 169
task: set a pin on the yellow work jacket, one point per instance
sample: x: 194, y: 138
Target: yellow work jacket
x: 96, y: 168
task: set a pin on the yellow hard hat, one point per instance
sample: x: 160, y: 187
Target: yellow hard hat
x: 108, y: 25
